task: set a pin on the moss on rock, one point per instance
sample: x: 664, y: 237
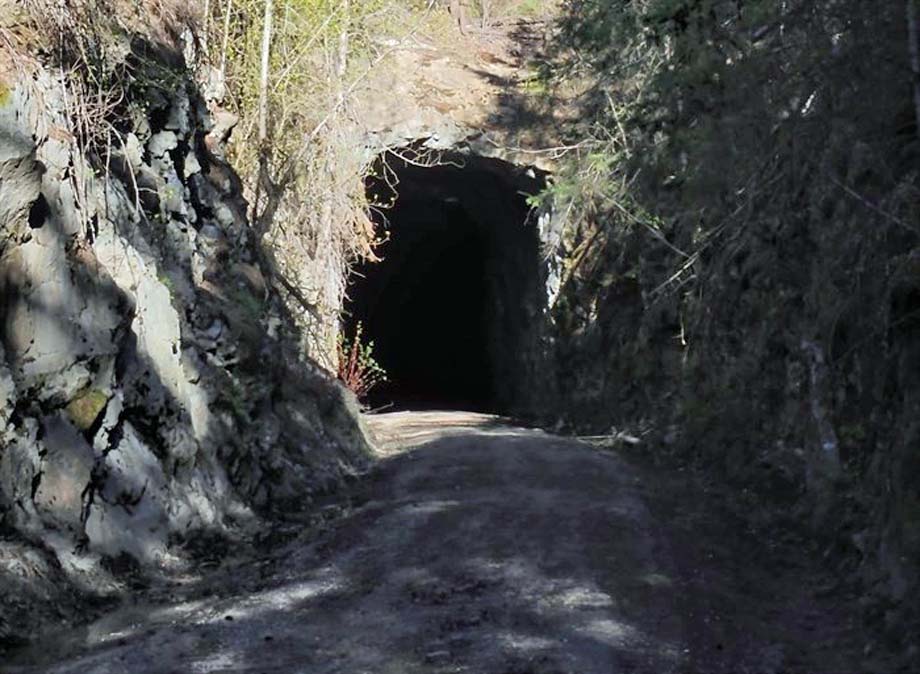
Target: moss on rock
x: 86, y: 407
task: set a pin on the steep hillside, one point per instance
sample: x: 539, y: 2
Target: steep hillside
x: 152, y: 395
x: 741, y: 263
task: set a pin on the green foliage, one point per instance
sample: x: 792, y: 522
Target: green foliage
x: 755, y: 163
x: 304, y: 181
x: 249, y: 304
x: 305, y: 33
x: 531, y: 7
x: 234, y: 399
x: 305, y: 75
x: 167, y: 282
x: 697, y: 105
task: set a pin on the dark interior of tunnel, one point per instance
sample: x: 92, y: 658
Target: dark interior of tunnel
x: 452, y: 307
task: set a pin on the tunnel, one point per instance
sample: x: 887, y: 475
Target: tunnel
x: 453, y: 307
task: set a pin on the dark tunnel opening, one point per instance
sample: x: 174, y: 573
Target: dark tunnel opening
x: 453, y: 307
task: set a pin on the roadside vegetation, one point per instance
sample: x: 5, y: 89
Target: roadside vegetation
x: 292, y: 71
x: 357, y: 367
x: 285, y: 76
x: 741, y: 243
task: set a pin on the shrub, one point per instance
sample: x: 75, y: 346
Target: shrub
x: 357, y: 368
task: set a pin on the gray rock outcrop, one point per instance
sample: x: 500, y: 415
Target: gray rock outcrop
x: 150, y: 386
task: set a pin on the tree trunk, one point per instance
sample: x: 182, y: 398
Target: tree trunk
x: 457, y: 11
x: 341, y: 64
x: 225, y: 45
x: 342, y: 60
x: 914, y: 47
x: 263, y: 181
x: 263, y: 81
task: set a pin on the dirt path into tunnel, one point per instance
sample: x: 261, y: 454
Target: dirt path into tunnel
x: 476, y: 546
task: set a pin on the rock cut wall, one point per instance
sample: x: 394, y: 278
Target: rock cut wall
x: 150, y: 386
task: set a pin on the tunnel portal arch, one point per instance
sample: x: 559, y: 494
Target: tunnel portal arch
x: 455, y: 306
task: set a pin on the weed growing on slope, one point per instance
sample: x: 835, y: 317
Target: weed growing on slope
x: 358, y: 369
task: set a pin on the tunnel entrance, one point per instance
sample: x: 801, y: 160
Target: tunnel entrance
x: 453, y: 307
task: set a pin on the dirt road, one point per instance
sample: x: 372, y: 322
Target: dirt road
x: 478, y: 547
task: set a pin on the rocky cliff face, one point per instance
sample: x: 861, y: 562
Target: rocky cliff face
x: 149, y: 389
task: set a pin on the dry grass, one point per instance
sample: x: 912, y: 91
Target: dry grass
x: 89, y: 41
x: 77, y: 28
x: 86, y: 44
x: 306, y: 185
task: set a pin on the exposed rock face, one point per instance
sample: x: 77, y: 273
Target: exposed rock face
x: 469, y: 96
x: 149, y: 388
